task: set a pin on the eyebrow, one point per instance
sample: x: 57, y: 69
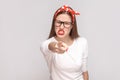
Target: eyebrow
x: 63, y: 21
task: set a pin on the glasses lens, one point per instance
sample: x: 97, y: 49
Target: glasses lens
x: 57, y: 23
x: 67, y: 24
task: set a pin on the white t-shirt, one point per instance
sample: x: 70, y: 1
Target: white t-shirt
x: 70, y: 64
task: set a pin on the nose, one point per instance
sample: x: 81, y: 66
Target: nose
x: 62, y: 26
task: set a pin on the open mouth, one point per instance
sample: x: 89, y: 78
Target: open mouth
x: 61, y: 32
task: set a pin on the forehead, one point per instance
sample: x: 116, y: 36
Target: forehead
x: 63, y: 17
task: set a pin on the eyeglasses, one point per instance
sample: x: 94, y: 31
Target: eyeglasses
x: 66, y: 24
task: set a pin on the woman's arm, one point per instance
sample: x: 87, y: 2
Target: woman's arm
x: 85, y: 75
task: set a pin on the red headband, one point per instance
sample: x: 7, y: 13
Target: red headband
x: 67, y: 9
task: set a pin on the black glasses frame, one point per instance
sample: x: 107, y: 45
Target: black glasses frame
x: 66, y: 24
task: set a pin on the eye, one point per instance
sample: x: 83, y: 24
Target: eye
x: 58, y: 23
x: 67, y: 23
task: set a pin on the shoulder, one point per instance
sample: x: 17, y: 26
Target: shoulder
x: 82, y: 39
x: 44, y: 44
x: 48, y: 40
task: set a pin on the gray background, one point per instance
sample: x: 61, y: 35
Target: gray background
x: 24, y: 24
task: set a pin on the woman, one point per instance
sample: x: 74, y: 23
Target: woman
x: 65, y: 51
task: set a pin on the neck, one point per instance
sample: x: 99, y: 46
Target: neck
x: 66, y: 39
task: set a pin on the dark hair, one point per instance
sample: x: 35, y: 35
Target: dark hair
x: 74, y: 33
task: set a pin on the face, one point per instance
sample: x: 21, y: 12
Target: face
x: 63, y: 25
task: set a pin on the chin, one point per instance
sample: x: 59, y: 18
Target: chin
x: 61, y: 36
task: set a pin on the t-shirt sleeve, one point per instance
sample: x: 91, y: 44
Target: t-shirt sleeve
x: 85, y: 56
x: 48, y: 54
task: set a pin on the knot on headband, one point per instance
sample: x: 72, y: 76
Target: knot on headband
x: 67, y: 9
